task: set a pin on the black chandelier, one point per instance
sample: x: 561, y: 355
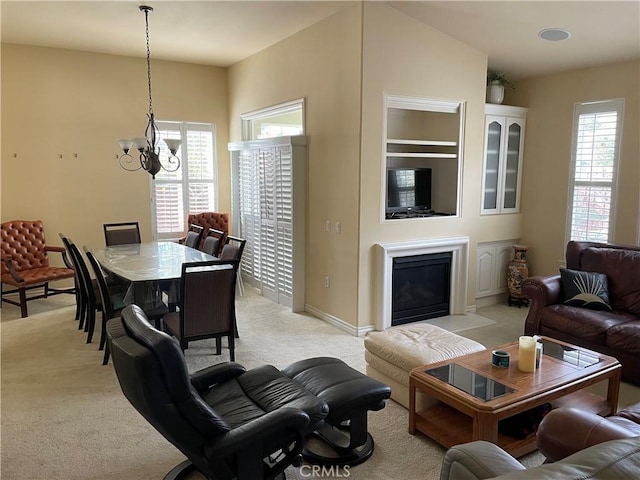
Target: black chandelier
x: 148, y: 145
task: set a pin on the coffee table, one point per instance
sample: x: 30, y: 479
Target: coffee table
x: 474, y: 395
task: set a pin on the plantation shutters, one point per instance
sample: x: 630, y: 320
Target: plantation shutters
x: 268, y: 178
x: 595, y: 157
x: 190, y: 189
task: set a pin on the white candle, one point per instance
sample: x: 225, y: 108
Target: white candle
x: 527, y: 354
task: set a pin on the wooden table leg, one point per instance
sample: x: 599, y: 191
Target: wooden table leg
x: 412, y: 406
x: 613, y: 390
x: 485, y: 427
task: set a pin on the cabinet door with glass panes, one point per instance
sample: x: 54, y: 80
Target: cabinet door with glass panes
x: 503, y: 149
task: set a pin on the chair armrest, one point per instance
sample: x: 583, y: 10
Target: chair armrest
x: 8, y: 261
x: 542, y: 291
x: 566, y: 431
x: 61, y: 250
x: 214, y: 374
x: 278, y: 425
x: 477, y: 460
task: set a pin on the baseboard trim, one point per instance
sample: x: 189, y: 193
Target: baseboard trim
x: 336, y: 322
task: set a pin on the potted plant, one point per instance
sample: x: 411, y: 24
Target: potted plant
x: 495, y: 86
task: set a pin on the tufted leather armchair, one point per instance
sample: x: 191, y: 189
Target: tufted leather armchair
x: 25, y: 262
x: 219, y: 221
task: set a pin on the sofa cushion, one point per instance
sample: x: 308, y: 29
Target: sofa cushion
x: 585, y: 289
x: 625, y: 337
x: 622, y: 268
x: 590, y: 325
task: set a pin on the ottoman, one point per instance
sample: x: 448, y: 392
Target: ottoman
x: 349, y: 395
x: 392, y: 354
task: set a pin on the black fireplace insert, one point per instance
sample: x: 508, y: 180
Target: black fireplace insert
x: 421, y: 287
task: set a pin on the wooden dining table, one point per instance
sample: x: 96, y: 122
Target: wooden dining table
x: 148, y: 266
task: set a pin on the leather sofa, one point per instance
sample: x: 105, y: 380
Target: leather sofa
x: 616, y: 332
x: 577, y: 445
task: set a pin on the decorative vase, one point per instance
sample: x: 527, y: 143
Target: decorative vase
x: 495, y: 92
x: 517, y: 272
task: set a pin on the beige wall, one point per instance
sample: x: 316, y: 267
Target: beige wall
x: 547, y: 152
x: 63, y: 102
x: 404, y: 56
x: 321, y: 64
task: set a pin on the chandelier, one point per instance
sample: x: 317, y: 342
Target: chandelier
x: 147, y: 146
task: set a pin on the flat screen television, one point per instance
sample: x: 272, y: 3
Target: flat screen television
x: 408, y: 189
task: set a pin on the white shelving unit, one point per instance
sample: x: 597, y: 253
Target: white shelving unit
x: 425, y: 132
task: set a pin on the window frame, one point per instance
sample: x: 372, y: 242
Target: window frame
x: 183, y: 128
x: 584, y: 108
x: 248, y: 118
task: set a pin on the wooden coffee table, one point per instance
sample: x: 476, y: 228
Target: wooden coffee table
x: 565, y: 371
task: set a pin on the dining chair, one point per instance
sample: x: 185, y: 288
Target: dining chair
x: 213, y: 241
x: 92, y: 301
x: 206, y: 304
x: 123, y: 233
x: 194, y: 235
x: 113, y: 301
x: 232, y: 250
x: 70, y: 263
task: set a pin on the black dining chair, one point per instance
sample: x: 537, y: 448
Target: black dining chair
x: 113, y: 301
x: 232, y: 250
x: 213, y: 242
x: 194, y: 235
x: 206, y: 304
x: 92, y: 301
x: 123, y: 233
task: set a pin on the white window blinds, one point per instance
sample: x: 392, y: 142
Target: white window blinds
x: 595, y: 156
x: 190, y: 189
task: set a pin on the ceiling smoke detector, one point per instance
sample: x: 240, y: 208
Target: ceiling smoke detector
x: 554, y: 34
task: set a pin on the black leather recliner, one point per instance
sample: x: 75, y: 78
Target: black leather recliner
x: 229, y: 422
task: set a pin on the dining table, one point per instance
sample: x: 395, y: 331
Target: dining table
x: 150, y: 267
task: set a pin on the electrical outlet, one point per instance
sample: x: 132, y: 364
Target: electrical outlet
x: 326, y: 281
x: 327, y: 225
x: 338, y: 228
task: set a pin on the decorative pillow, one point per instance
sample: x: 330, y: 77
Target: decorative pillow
x: 585, y: 289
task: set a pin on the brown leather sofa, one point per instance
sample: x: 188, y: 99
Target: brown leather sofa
x: 577, y: 445
x: 566, y: 431
x: 615, y: 333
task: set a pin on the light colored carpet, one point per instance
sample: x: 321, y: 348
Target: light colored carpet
x: 65, y: 417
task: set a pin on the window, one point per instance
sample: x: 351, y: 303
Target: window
x: 276, y: 121
x: 597, y: 128
x: 190, y: 189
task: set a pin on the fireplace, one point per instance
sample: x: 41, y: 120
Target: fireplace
x: 421, y: 285
x: 386, y: 253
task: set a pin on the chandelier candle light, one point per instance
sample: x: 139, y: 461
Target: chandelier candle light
x: 148, y: 145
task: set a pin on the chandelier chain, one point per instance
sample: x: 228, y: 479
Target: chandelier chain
x: 146, y: 21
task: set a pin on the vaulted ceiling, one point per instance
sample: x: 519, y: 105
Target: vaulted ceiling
x: 224, y: 32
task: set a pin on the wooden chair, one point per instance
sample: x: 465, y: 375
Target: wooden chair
x: 113, y: 301
x: 25, y: 263
x: 194, y: 236
x: 213, y: 242
x: 206, y: 305
x: 124, y: 233
x: 91, y: 300
x: 232, y: 250
x: 207, y: 220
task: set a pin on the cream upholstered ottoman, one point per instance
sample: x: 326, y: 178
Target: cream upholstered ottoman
x: 393, y: 353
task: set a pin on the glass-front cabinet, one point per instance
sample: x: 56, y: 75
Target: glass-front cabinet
x: 503, y: 148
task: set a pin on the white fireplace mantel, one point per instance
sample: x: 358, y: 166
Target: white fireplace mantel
x: 386, y: 252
